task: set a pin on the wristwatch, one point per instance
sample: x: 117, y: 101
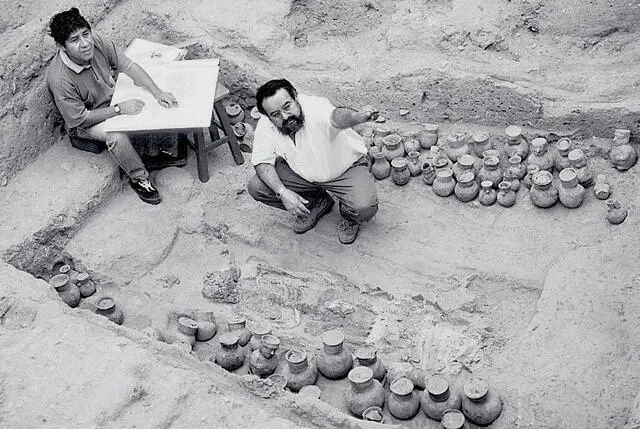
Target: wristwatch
x: 279, y: 194
x: 116, y: 109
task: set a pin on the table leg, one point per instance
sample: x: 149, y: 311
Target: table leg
x: 238, y: 157
x: 202, y: 139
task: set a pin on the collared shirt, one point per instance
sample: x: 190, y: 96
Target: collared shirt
x: 76, y: 89
x: 321, y: 151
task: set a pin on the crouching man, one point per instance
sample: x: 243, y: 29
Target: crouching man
x: 81, y: 80
x: 303, y: 149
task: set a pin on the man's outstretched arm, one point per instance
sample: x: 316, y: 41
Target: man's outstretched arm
x: 345, y: 117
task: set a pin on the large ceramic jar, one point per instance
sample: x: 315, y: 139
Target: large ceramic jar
x: 444, y: 184
x: 230, y: 355
x: 487, y: 195
x: 563, y: 147
x: 516, y: 166
x: 238, y: 325
x: 467, y: 188
x: 335, y: 361
x: 381, y: 169
x: 531, y: 171
x: 365, y: 391
x: 439, y: 397
x: 256, y: 335
x: 380, y: 134
x: 400, y: 173
x: 453, y: 419
x: 428, y: 136
x: 368, y: 356
x: 187, y: 329
x: 480, y: 405
x: 601, y: 188
x: 207, y: 327
x: 428, y: 173
x: 464, y: 163
x: 490, y: 170
x: 578, y: 162
x: 481, y: 143
x: 234, y: 112
x: 263, y: 362
x: 456, y: 146
x: 392, y: 147
x: 570, y: 193
x: 516, y: 144
x: 543, y: 194
x: 68, y: 292
x: 107, y: 307
x: 616, y: 214
x: 403, y: 402
x: 85, y: 285
x: 411, y: 144
x: 299, y: 371
x: 509, y: 176
x: 506, y: 196
x: 623, y: 156
x: 540, y: 154
x: 413, y: 163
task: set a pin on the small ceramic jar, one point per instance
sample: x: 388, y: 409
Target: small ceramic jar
x: 516, y: 144
x: 379, y: 134
x: 623, y: 156
x: 400, y: 171
x: 563, y: 146
x: 234, y: 112
x: 490, y: 170
x: 480, y: 405
x: 392, y: 147
x: 616, y: 214
x: 578, y: 162
x: 428, y: 173
x: 540, y: 154
x: 68, y: 292
x: 238, y: 325
x: 381, y: 169
x: 506, y: 196
x: 403, y: 402
x: 335, y: 361
x: 263, y: 361
x: 107, y: 307
x: 464, y: 163
x: 456, y: 146
x: 439, y: 397
x: 601, y: 188
x: 509, y: 176
x: 441, y: 162
x: 364, y: 391
x: 187, y: 329
x: 570, y: 193
x: 230, y: 355
x: 444, y: 184
x: 488, y: 195
x: 531, y: 171
x: 518, y: 169
x: 256, y: 335
x: 299, y: 371
x: 73, y: 274
x: 368, y: 356
x: 481, y: 143
x: 453, y: 419
x: 85, y: 285
x: 467, y: 188
x: 413, y: 163
x: 543, y: 194
x: 207, y: 326
x: 428, y: 136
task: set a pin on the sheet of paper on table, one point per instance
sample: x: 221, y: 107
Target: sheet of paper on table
x: 192, y: 82
x: 143, y: 52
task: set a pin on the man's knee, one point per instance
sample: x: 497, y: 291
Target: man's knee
x: 365, y: 212
x: 116, y: 139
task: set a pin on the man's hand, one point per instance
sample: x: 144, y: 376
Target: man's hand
x: 294, y: 203
x: 370, y: 112
x: 167, y: 100
x: 131, y: 107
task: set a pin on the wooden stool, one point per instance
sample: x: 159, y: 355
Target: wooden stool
x: 205, y: 140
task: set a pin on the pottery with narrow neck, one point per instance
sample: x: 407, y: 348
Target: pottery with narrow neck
x: 336, y: 360
x: 438, y: 397
x: 364, y: 392
x: 570, y: 193
x: 623, y: 156
x: 516, y: 144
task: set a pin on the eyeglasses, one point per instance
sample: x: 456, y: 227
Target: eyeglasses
x: 287, y: 108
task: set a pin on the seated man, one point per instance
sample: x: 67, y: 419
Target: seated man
x: 81, y: 81
x: 303, y: 147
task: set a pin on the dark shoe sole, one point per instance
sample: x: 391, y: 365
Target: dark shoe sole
x: 154, y: 201
x: 326, y: 210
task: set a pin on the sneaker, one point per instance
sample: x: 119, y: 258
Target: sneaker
x: 348, y: 230
x: 146, y: 191
x: 318, y: 208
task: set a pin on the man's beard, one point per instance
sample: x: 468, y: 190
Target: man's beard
x: 292, y: 125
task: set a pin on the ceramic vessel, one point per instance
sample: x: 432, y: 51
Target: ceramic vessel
x: 453, y: 419
x: 368, y: 356
x: 256, y: 335
x: 480, y: 405
x: 487, y: 195
x: 509, y: 176
x: 364, y: 391
x: 73, y: 274
x: 311, y: 391
x: 187, y: 329
x: 413, y: 160
x: 540, y: 154
x: 411, y: 145
x: 516, y: 144
x: 516, y: 166
x: 428, y: 136
x: 107, y: 307
x: 601, y: 188
x: 400, y: 173
x: 85, y: 285
x: 528, y: 179
x: 392, y: 147
x: 263, y: 361
x: 441, y: 162
x: 299, y: 371
x: 543, y: 194
x: 481, y: 143
x: 616, y: 214
x: 490, y: 170
x: 578, y: 162
x: 491, y: 152
x: 379, y: 134
x: 439, y: 397
x: 207, y: 326
x: 255, y: 113
x: 238, y: 325
x: 467, y: 188
x: 456, y: 146
x: 373, y: 414
x: 464, y: 163
x: 506, y: 196
x: 563, y: 146
x: 403, y: 402
x: 428, y: 173
x: 335, y: 361
x: 623, y: 156
x: 444, y: 185
x: 234, y: 112
x: 230, y: 355
x: 570, y: 193
x: 432, y: 153
x: 68, y: 292
x: 381, y: 169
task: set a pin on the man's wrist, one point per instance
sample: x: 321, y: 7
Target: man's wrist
x: 280, y: 191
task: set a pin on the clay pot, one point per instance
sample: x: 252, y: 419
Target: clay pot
x: 207, y: 326
x: 481, y: 143
x: 509, y: 176
x: 68, y: 292
x: 441, y: 162
x: 506, y: 196
x: 263, y: 362
x: 578, y: 162
x: 238, y: 325
x: 379, y: 134
x: 411, y: 145
x: 601, y: 188
x: 543, y: 194
x: 453, y: 419
x: 311, y: 391
x: 490, y: 170
x: 623, y: 156
x: 444, y: 184
x: 299, y: 371
x: 244, y: 132
x: 516, y: 144
x: 335, y: 361
x: 73, y: 274
x: 571, y: 193
x: 540, y: 154
x: 255, y: 113
x: 413, y: 160
x: 456, y: 146
x: 381, y: 169
x: 531, y: 171
x: 464, y: 163
x: 616, y: 214
x: 480, y: 404
x: 256, y: 335
x: 428, y: 173
x: 364, y: 392
x: 467, y: 188
x: 368, y: 356
x: 564, y: 146
x: 516, y: 166
x: 392, y: 147
x: 373, y: 414
x: 428, y: 136
x: 491, y: 152
x: 439, y: 397
x: 187, y: 329
x: 230, y: 355
x: 85, y: 285
x: 371, y: 154
x: 403, y: 402
x: 488, y: 195
x: 107, y: 307
x: 400, y: 172
x: 234, y: 112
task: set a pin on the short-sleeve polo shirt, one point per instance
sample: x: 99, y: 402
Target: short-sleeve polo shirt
x: 321, y: 151
x: 77, y: 89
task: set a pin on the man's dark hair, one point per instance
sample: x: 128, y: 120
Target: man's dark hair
x: 64, y: 23
x: 270, y: 88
